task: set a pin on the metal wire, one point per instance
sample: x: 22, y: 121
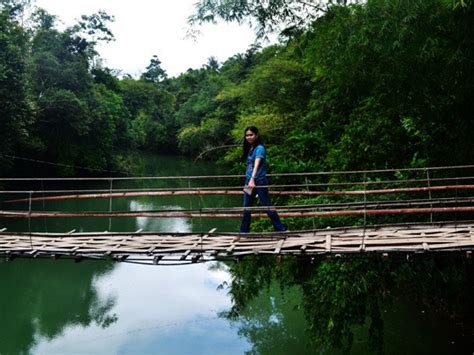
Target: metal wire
x: 211, y: 188
x: 322, y: 173
x: 305, y: 207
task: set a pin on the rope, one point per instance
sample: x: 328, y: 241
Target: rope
x: 322, y: 173
x: 44, y: 206
x: 365, y: 215
x: 19, y: 214
x: 61, y: 164
x: 456, y: 202
x: 313, y: 219
x: 306, y: 207
x: 238, y: 192
x: 191, y: 202
x: 110, y: 205
x: 210, y: 149
x: 201, y: 206
x: 429, y: 192
x: 206, y: 188
x: 29, y: 222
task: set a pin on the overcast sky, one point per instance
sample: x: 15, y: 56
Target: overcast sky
x: 143, y: 28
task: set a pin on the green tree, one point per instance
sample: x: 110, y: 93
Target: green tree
x: 151, y: 109
x: 15, y: 107
x: 109, y: 121
x: 401, y: 98
x: 154, y: 73
x: 93, y: 29
x: 69, y: 106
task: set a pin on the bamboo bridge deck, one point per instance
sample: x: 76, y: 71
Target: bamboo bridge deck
x: 439, y: 194
x: 195, y: 247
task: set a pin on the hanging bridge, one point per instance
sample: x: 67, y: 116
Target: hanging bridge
x: 393, y: 210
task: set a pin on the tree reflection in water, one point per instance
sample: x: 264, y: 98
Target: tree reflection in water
x: 339, y: 304
x: 39, y: 298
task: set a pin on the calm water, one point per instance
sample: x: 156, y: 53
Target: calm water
x: 259, y: 305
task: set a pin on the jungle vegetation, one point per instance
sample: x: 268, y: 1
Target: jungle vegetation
x: 350, y: 85
x: 383, y: 83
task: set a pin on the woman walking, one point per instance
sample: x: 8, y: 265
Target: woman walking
x: 256, y: 180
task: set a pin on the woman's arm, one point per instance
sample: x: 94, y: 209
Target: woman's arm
x: 254, y: 172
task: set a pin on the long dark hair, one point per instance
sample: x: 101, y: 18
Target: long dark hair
x: 247, y: 146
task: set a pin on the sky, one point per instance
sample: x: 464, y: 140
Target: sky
x: 155, y: 309
x: 144, y: 28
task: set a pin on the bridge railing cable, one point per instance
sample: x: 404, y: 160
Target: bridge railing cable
x: 238, y: 191
x: 328, y: 194
x: 306, y: 185
x: 230, y: 176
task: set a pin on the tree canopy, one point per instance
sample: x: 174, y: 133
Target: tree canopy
x: 352, y: 85
x: 266, y: 16
x: 384, y: 83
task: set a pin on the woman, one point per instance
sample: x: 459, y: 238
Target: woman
x: 256, y: 179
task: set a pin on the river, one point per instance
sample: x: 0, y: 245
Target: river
x: 260, y: 305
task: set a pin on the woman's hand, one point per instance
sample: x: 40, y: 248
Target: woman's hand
x: 251, y: 183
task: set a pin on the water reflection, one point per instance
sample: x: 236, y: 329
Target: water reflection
x: 159, y: 224
x: 98, y: 307
x: 356, y: 304
x: 158, y: 312
x: 40, y: 299
x: 273, y: 322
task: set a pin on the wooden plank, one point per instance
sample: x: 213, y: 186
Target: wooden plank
x: 230, y: 249
x: 328, y: 243
x: 187, y: 252
x: 279, y: 246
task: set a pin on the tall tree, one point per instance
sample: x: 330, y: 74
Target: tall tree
x: 154, y: 72
x: 63, y: 88
x: 15, y: 109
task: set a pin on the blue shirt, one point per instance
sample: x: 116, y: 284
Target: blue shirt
x: 260, y: 176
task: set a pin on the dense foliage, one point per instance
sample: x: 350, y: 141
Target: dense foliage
x: 372, y: 85
x: 351, y: 85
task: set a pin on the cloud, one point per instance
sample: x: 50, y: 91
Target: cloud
x: 155, y: 304
x: 144, y: 28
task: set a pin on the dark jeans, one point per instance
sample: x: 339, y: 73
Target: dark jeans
x: 249, y: 200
